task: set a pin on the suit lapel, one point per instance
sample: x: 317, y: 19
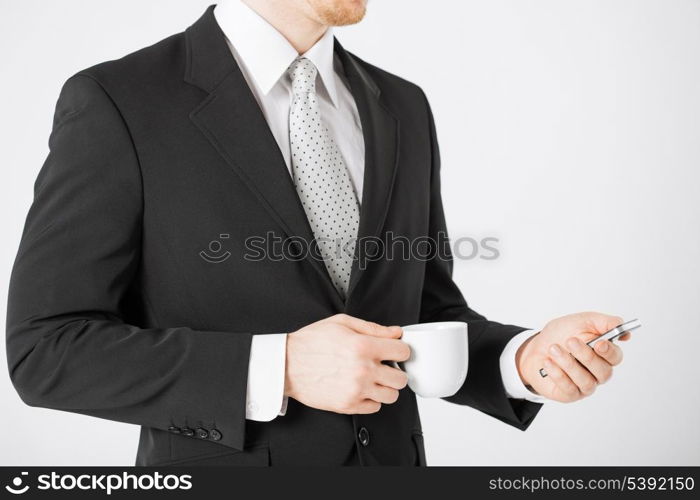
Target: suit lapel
x: 380, y: 129
x: 232, y: 121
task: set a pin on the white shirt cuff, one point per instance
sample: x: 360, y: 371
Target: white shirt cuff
x: 265, y: 392
x: 512, y: 382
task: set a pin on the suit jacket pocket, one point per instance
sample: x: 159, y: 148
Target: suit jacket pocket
x: 255, y: 456
x: 186, y: 450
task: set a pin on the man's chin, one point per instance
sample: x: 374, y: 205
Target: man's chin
x: 339, y: 12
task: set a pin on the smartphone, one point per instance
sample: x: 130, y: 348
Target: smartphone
x: 616, y: 332
x: 610, y: 335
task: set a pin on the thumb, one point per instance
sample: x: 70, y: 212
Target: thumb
x: 599, y: 323
x: 370, y: 328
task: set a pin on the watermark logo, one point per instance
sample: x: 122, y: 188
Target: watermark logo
x: 107, y: 483
x: 16, y: 488
x: 215, y: 252
x: 391, y: 247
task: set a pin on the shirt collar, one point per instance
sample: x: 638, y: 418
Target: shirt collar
x: 266, y: 53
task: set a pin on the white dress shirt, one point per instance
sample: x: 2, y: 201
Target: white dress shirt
x: 264, y: 55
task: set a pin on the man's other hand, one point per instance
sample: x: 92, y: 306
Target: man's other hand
x: 574, y: 370
x: 336, y: 365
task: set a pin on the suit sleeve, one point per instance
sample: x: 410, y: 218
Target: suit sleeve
x: 442, y: 301
x: 68, y: 344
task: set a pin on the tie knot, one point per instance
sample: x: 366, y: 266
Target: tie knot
x: 303, y: 75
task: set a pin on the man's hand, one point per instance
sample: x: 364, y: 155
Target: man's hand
x: 336, y: 365
x: 574, y: 370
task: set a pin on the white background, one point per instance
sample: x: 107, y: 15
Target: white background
x: 569, y: 129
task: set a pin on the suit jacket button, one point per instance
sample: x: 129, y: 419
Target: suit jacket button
x: 174, y: 430
x: 363, y: 436
x: 215, y: 434
x: 186, y: 431
x: 201, y: 433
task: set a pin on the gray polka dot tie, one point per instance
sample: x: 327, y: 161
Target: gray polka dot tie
x: 321, y: 179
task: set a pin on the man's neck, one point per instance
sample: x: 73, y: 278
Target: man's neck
x: 298, y: 27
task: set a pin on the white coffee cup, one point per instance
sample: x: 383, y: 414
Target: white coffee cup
x: 439, y: 358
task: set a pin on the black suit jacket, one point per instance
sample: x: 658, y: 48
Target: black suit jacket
x: 113, y: 312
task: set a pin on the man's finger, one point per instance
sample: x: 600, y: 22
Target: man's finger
x: 600, y: 323
x: 382, y: 394
x: 596, y: 365
x: 366, y: 407
x: 609, y: 352
x: 369, y: 328
x: 579, y: 375
x: 390, y: 350
x: 561, y: 380
x: 391, y: 377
